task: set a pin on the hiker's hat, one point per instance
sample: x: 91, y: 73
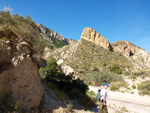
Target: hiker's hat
x: 106, y: 85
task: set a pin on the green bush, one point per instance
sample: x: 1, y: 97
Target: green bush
x: 128, y: 88
x: 91, y: 93
x: 132, y: 92
x: 139, y: 73
x: 116, y: 69
x: 119, y: 71
x: 134, y: 86
x: 42, y: 72
x: 99, y: 78
x: 116, y: 85
x: 124, y: 109
x: 114, y: 88
x: 57, y: 80
x: 144, y: 88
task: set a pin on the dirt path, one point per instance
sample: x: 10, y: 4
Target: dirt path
x: 134, y: 103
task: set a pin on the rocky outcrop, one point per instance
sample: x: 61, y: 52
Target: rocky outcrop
x: 127, y: 48
x: 71, y: 41
x: 130, y: 50
x: 92, y: 35
x: 50, y: 32
x: 67, y: 70
x: 19, y: 76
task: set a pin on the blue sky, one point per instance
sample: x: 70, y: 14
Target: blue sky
x: 114, y: 19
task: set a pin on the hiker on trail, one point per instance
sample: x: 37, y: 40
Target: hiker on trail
x: 103, y: 99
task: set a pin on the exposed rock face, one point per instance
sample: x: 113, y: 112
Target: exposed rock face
x: 67, y: 70
x: 91, y: 35
x: 19, y: 76
x: 50, y: 32
x: 71, y: 41
x: 130, y: 50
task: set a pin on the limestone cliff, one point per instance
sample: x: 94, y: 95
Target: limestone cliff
x: 134, y: 52
x: 71, y: 41
x: 93, y: 36
x: 50, y: 32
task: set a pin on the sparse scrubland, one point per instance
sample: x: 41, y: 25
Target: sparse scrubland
x: 144, y: 88
x: 95, y: 65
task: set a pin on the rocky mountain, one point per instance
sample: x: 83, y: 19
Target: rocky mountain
x: 50, y: 32
x: 71, y: 41
x: 133, y: 52
x: 93, y: 36
x: 52, y: 38
x: 93, y: 51
x: 47, y: 33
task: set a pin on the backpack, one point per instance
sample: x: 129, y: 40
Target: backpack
x: 98, y: 97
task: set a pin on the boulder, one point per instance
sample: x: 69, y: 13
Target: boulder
x: 67, y: 70
x: 19, y: 76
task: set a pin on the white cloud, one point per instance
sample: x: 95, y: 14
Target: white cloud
x: 7, y: 9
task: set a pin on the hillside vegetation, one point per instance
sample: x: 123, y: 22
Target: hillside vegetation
x: 52, y: 42
x: 144, y: 88
x: 65, y: 86
x: 93, y: 63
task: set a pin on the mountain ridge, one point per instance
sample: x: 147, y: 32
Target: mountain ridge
x: 47, y: 33
x: 137, y: 56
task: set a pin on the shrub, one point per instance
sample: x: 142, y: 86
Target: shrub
x: 99, y: 78
x: 128, y: 88
x: 114, y: 88
x: 133, y: 76
x: 119, y: 71
x: 144, y: 88
x: 124, y: 109
x: 74, y: 88
x: 135, y: 73
x: 91, y: 93
x: 132, y: 92
x: 116, y: 85
x: 42, y: 72
x: 116, y: 69
x: 134, y: 86
x: 122, y: 91
x: 139, y: 73
x: 126, y: 73
x: 69, y: 106
x: 51, y: 67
